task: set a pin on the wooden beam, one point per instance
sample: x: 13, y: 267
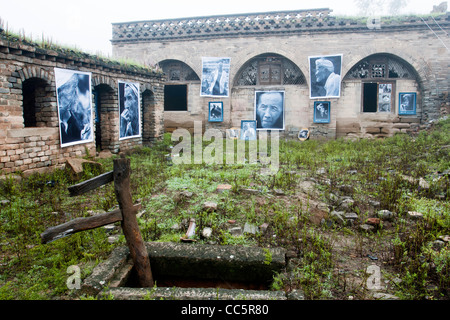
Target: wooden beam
x: 82, y: 224
x: 91, y: 184
x: 130, y: 227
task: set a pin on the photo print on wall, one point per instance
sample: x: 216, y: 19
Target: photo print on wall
x: 129, y: 111
x: 248, y: 130
x: 215, y: 77
x: 407, y: 103
x: 325, y: 76
x: 73, y: 94
x: 269, y: 110
x: 215, y: 112
x: 384, y: 97
x: 322, y: 112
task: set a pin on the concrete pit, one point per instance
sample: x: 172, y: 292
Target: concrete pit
x: 184, y: 271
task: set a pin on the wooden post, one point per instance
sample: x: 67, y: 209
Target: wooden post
x: 130, y: 227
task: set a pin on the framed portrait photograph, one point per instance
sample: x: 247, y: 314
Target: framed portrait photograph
x: 129, y: 110
x: 215, y: 77
x: 215, y: 112
x: 325, y: 76
x: 322, y: 111
x: 248, y: 130
x: 269, y: 110
x: 74, y: 99
x: 407, y: 103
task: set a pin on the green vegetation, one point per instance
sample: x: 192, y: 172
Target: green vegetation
x: 46, y: 43
x: 328, y: 259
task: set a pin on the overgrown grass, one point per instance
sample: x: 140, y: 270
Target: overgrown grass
x: 366, y: 170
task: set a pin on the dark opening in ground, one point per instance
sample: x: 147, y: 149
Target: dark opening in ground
x: 181, y: 282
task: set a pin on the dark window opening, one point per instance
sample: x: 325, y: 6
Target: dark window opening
x: 370, y: 97
x: 33, y: 91
x: 378, y: 96
x: 175, y: 98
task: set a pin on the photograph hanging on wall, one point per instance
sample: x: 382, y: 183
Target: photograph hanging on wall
x: 322, y: 112
x: 215, y: 77
x: 269, y: 110
x: 325, y: 76
x: 384, y: 97
x: 248, y: 130
x: 215, y: 113
x: 73, y: 94
x: 129, y: 111
x: 407, y: 103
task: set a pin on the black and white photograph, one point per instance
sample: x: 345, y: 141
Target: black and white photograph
x: 269, y: 110
x: 322, y: 112
x: 248, y: 130
x: 303, y: 134
x: 215, y: 113
x: 407, y: 103
x: 325, y: 76
x: 215, y: 77
x: 384, y: 97
x: 73, y: 93
x: 129, y: 111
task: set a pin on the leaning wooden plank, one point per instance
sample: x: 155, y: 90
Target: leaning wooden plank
x: 130, y: 227
x: 91, y: 184
x: 82, y: 224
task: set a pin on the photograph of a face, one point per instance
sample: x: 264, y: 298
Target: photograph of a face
x: 384, y: 97
x: 269, y: 110
x: 407, y: 103
x: 322, y: 112
x: 215, y: 113
x: 129, y: 111
x: 325, y: 76
x: 248, y: 130
x: 73, y: 93
x: 215, y: 77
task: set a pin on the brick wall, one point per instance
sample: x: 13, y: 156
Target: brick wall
x: 410, y: 40
x: 32, y: 147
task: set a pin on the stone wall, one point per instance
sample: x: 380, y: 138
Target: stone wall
x: 297, y: 36
x: 27, y: 72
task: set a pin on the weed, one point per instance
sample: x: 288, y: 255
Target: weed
x: 374, y: 170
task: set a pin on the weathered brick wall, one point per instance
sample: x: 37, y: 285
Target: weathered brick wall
x: 37, y: 147
x: 410, y: 40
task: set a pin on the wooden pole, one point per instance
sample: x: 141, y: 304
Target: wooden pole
x: 83, y: 224
x: 130, y: 226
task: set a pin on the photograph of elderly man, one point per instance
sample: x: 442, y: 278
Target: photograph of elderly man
x: 129, y: 110
x: 325, y: 73
x: 269, y: 110
x: 73, y: 91
x: 215, y: 77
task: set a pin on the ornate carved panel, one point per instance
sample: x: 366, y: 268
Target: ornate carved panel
x: 178, y: 71
x: 270, y: 70
x: 381, y: 67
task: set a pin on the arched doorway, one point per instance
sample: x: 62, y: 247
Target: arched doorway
x: 104, y: 104
x: 383, y: 77
x: 37, y: 109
